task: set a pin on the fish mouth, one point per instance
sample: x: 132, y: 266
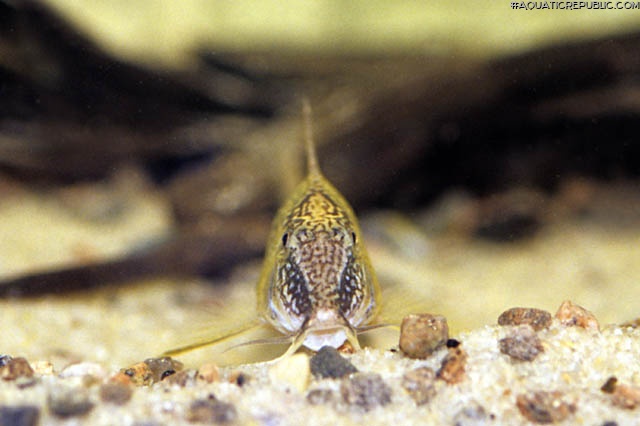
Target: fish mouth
x: 316, y: 339
x: 326, y: 327
x: 322, y: 328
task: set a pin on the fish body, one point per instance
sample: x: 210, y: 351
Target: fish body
x: 317, y: 284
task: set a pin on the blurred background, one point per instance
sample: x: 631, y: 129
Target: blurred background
x: 490, y: 153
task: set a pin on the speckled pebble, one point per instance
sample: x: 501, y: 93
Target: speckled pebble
x: 208, y: 373
x: 571, y: 314
x: 152, y: 370
x: 545, y: 407
x: 138, y: 374
x: 14, y: 368
x: 212, y: 411
x: 163, y: 367
x: 320, y: 396
x: 328, y: 363
x: 452, y: 368
x: 521, y: 343
x: 69, y: 402
x: 115, y: 393
x: 420, y: 384
x: 365, y: 390
x: 538, y: 319
x: 293, y: 370
x: 23, y: 415
x: 422, y: 334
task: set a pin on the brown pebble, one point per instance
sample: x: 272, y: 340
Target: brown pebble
x: 152, y: 370
x: 522, y: 343
x: 115, y: 393
x: 422, y: 334
x: 346, y: 348
x: 538, y: 319
x: 208, y: 373
x: 14, y: 368
x: 610, y: 385
x: 320, y: 396
x: 453, y: 366
x: 211, y: 411
x: 69, y: 402
x: 420, y: 384
x: 163, y: 367
x: 122, y: 378
x: 181, y: 378
x: 328, y: 363
x: 634, y: 323
x: 625, y: 396
x: 571, y: 314
x: 139, y: 374
x: 544, y: 407
x: 21, y: 415
x: 365, y: 390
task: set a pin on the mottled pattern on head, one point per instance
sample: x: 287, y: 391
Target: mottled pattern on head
x: 316, y: 262
x: 320, y: 269
x: 317, y: 284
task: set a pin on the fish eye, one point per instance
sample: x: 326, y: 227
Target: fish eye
x: 285, y: 237
x: 353, y: 237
